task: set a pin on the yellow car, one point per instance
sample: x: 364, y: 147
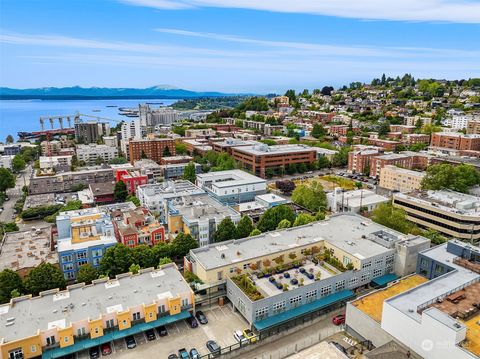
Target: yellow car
x: 249, y: 335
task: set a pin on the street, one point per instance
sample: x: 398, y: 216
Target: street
x: 23, y: 179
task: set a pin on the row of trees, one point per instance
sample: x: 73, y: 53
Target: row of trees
x: 445, y: 176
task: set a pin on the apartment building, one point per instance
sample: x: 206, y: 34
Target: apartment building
x: 433, y: 313
x: 400, y: 179
x: 198, y: 215
x: 137, y: 226
x: 260, y: 158
x: 155, y: 197
x: 355, y: 201
x: 89, y: 153
x: 83, y: 238
x: 55, y: 162
x: 68, y: 181
x: 149, y: 168
x: 457, y: 141
x: 451, y: 213
x: 61, y: 323
x: 91, y: 131
x: 176, y: 171
x: 130, y: 131
x: 378, y: 162
x: 161, y: 116
x: 342, y: 130
x: 473, y: 127
x: 404, y: 129
x: 414, y: 138
x: 367, y: 249
x: 131, y: 178
x: 6, y: 161
x: 232, y: 187
x: 197, y: 146
x: 387, y: 145
x: 153, y: 149
x: 200, y: 133
x: 175, y: 160
x: 359, y: 158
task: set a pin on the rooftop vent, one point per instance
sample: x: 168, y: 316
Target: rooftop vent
x: 222, y: 256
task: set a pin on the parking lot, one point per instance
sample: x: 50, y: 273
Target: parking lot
x: 222, y: 322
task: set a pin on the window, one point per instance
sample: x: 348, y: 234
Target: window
x: 185, y: 303
x: 97, y: 253
x: 378, y: 261
x: 67, y: 267
x: 81, y: 255
x: 80, y: 331
x: 68, y: 258
x: 124, y: 322
x: 352, y: 282
x: 367, y: 265
x: 69, y: 275
x: 311, y: 295
x: 390, y: 258
x: 65, y: 339
x: 365, y: 276
x: 219, y: 275
x: 326, y: 290
x: 136, y: 316
x: 161, y: 308
x: 377, y: 272
x: 109, y: 323
x: 279, y: 307
x: 96, y: 261
x: 33, y: 348
x: 296, y: 301
x: 340, y: 286
x: 261, y: 313
x: 82, y: 262
x: 346, y: 261
x: 16, y: 354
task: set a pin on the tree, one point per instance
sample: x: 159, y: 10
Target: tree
x: 44, y: 277
x: 134, y: 199
x: 120, y: 192
x: 180, y: 148
x: 340, y: 158
x: 164, y: 260
x: 284, y: 223
x: 272, y: 217
x: 286, y: 186
x: 244, y: 227
x: 327, y: 90
x: 18, y: 164
x: 435, y: 237
x: 118, y: 161
x: 323, y: 162
x: 383, y: 129
x: 144, y: 256
x: 190, y: 173
x: 255, y: 232
x: 117, y: 260
x: 291, y: 96
x: 98, y: 160
x: 86, y: 274
x: 182, y: 244
x: 392, y: 217
x: 9, y: 281
x: 7, y: 179
x: 311, y: 196
x: 134, y: 268
x: 166, y: 152
x: 9, y: 227
x: 225, y: 230
x: 143, y: 155
x: 302, y: 219
x: 318, y: 131
x: 445, y: 176
x: 9, y: 139
x: 291, y: 168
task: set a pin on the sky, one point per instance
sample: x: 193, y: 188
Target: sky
x: 258, y: 46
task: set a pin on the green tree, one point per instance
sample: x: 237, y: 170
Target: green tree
x: 9, y: 281
x: 384, y: 129
x: 144, y: 256
x: 164, y: 260
x: 445, y: 176
x: 255, y: 232
x: 7, y: 179
x: 18, y: 164
x: 118, y: 161
x: 284, y: 223
x: 340, y: 158
x: 86, y: 274
x: 392, y: 217
x: 44, y: 277
x: 434, y: 236
x: 291, y: 168
x: 180, y: 148
x: 143, y: 155
x: 292, y: 97
x: 116, y: 260
x: 161, y: 250
x: 120, y: 192
x: 189, y: 173
x: 225, y: 230
x: 134, y: 199
x: 323, y: 162
x: 9, y: 227
x: 182, y: 244
x: 311, y: 196
x: 9, y: 139
x: 273, y: 216
x: 318, y: 131
x: 244, y: 227
x: 166, y: 152
x: 134, y: 268
x: 302, y: 219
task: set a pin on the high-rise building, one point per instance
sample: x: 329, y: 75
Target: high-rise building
x: 91, y: 131
x: 153, y: 149
x: 151, y: 117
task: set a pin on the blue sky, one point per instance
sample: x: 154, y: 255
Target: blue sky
x: 234, y: 45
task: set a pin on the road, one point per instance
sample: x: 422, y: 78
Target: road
x: 14, y: 194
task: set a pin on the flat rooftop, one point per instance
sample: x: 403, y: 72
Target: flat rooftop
x: 66, y: 244
x: 263, y: 149
x: 346, y: 231
x: 405, y: 171
x: 35, y: 200
x: 27, y: 249
x: 359, y: 197
x: 392, y: 156
x: 372, y: 304
x: 194, y: 208
x: 222, y: 179
x: 79, y: 302
x: 448, y: 201
x: 176, y: 188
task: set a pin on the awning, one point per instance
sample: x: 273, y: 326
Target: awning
x: 384, y: 280
x: 117, y: 334
x: 303, y: 309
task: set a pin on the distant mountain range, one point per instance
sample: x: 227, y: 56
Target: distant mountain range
x: 76, y: 92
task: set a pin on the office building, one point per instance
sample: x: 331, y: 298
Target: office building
x: 155, y: 197
x: 434, y: 313
x: 262, y: 159
x: 451, y: 213
x: 92, y: 152
x: 91, y: 131
x: 83, y: 238
x: 151, y: 117
x: 400, y: 179
x: 355, y: 201
x: 153, y: 149
x: 176, y: 171
x: 198, y: 215
x: 61, y: 323
x: 233, y: 186
x: 230, y: 143
x: 456, y: 141
x: 365, y: 253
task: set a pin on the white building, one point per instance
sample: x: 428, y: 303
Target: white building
x: 89, y: 153
x: 130, y: 131
x: 353, y: 201
x: 55, y: 161
x: 6, y: 161
x: 110, y: 141
x: 151, y: 117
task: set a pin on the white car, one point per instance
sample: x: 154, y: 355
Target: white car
x: 239, y: 337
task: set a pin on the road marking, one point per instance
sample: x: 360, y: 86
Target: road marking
x: 213, y: 313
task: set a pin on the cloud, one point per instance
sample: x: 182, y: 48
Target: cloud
x: 455, y: 11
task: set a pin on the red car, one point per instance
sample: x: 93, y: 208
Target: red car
x: 338, y: 319
x: 106, y: 349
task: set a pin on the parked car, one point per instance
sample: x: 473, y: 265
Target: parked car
x: 201, y: 317
x: 249, y: 335
x: 173, y: 356
x: 192, y: 321
x: 338, y: 319
x: 94, y: 353
x: 130, y: 341
x: 150, y: 334
x: 310, y: 275
x: 239, y: 337
x: 294, y: 281
x: 302, y: 270
x: 279, y: 285
x: 271, y: 279
x: 194, y: 354
x: 106, y: 349
x: 162, y: 331
x: 213, y: 347
x: 286, y: 275
x: 183, y: 354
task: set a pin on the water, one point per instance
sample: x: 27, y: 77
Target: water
x: 23, y: 115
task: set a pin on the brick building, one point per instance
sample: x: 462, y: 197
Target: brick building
x: 457, y: 141
x: 378, y: 162
x: 388, y: 145
x: 153, y: 149
x: 359, y: 158
x: 131, y: 178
